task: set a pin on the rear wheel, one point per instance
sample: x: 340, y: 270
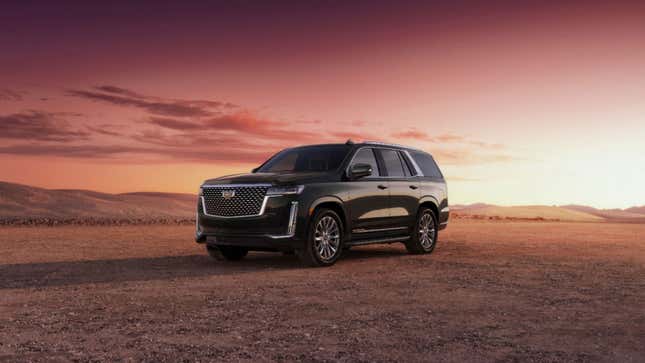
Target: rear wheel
x: 226, y: 253
x: 424, y: 236
x: 324, y: 243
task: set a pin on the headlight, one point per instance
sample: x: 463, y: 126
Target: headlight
x: 296, y: 189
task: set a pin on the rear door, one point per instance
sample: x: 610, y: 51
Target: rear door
x: 403, y: 187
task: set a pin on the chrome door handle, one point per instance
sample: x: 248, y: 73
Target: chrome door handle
x: 381, y: 186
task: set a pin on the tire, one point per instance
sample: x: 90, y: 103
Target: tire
x: 424, y: 234
x: 324, y: 243
x: 226, y: 253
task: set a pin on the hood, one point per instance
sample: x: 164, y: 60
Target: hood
x: 269, y: 178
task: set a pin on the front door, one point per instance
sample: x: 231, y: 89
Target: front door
x: 368, y: 201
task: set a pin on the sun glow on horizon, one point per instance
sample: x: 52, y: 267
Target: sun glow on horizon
x: 519, y: 103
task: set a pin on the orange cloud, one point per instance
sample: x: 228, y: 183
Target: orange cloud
x: 39, y: 126
x: 198, y: 131
x: 155, y: 105
x: 424, y: 136
x: 10, y: 95
x: 468, y: 157
x: 411, y: 134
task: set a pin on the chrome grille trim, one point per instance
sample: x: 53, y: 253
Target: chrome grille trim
x: 264, y: 204
x: 235, y: 187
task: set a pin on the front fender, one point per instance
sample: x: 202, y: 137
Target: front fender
x: 329, y: 199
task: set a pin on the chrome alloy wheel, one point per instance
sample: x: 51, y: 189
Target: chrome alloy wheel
x: 327, y: 238
x: 427, y: 231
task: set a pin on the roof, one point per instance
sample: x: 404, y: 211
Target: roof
x: 364, y: 143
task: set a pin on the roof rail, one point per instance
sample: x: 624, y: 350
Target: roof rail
x: 391, y: 145
x: 384, y: 144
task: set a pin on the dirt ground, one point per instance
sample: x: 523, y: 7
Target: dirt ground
x: 491, y: 291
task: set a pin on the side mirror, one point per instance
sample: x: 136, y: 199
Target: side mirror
x: 357, y: 171
x: 255, y: 170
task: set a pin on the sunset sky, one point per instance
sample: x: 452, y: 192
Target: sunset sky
x: 520, y: 102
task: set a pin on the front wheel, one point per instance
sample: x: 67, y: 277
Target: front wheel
x: 228, y: 253
x: 424, y: 236
x: 324, y: 243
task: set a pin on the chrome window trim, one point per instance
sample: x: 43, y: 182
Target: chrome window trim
x: 414, y: 163
x: 354, y: 156
x: 388, y: 147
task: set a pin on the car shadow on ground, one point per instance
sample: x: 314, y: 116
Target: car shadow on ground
x: 49, y: 274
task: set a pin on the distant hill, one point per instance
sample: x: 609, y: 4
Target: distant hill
x: 609, y: 213
x: 524, y: 212
x: 22, y: 201
x: 564, y: 213
x: 22, y: 204
x: 637, y: 210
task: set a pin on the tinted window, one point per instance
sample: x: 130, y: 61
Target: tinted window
x: 285, y: 163
x: 303, y: 159
x: 426, y: 164
x: 408, y: 164
x: 366, y: 156
x: 406, y: 167
x: 392, y: 162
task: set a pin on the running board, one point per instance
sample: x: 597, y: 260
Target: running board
x: 377, y: 240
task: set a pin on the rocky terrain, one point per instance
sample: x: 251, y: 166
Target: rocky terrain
x: 502, y: 291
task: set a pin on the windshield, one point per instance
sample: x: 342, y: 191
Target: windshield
x: 304, y: 159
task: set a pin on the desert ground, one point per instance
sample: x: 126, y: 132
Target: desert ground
x: 491, y: 291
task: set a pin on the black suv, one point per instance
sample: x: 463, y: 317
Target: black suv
x: 318, y: 200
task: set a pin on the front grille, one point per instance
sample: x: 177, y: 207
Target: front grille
x: 246, y: 201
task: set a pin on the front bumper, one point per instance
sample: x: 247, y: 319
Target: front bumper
x: 279, y: 227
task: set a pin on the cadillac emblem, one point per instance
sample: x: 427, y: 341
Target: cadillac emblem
x: 228, y: 194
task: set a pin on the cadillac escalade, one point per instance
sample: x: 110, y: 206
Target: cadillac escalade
x: 316, y: 201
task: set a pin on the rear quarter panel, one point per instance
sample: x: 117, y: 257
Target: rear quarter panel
x: 436, y: 191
